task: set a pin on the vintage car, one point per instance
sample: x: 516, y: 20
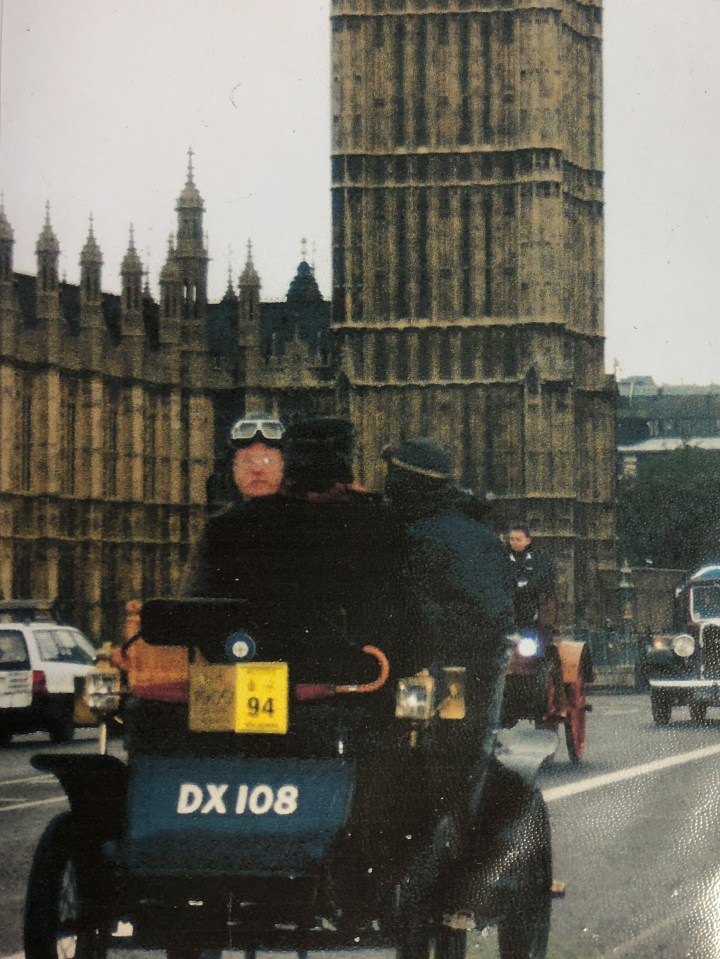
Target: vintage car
x: 287, y: 788
x: 683, y: 667
x: 547, y: 683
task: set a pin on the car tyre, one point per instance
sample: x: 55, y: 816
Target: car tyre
x: 575, y: 721
x: 178, y: 951
x: 450, y: 943
x: 523, y: 932
x: 661, y: 708
x: 59, y: 918
x: 61, y: 730
x: 698, y: 712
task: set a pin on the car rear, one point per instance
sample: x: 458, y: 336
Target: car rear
x: 15, y: 682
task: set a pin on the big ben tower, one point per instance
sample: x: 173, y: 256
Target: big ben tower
x: 468, y: 256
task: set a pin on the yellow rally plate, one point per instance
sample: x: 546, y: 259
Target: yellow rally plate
x: 261, y: 703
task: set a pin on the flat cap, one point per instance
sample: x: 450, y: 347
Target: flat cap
x: 422, y: 456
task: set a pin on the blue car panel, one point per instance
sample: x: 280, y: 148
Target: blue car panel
x: 217, y: 814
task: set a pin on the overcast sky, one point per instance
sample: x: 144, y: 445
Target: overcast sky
x: 101, y: 99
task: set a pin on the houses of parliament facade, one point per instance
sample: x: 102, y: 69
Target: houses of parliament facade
x: 467, y: 304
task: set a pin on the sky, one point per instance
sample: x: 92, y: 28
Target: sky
x: 100, y: 101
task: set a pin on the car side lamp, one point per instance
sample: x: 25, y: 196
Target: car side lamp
x: 425, y: 695
x: 682, y: 644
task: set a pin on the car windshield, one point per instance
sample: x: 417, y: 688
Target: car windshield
x: 705, y: 602
x: 62, y: 646
x: 13, y: 651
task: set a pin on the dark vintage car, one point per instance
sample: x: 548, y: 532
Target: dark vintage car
x: 288, y: 790
x: 683, y: 667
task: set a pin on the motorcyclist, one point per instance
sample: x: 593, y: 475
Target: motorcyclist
x: 535, y: 581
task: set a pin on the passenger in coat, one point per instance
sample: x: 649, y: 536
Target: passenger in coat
x: 219, y: 561
x: 454, y: 577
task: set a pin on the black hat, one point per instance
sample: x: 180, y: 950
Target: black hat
x: 325, y: 431
x: 422, y: 457
x: 319, y: 452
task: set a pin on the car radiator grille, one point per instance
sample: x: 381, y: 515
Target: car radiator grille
x: 711, y: 652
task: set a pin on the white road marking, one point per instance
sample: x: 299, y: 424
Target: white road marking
x: 37, y: 802
x: 632, y: 772
x: 30, y: 779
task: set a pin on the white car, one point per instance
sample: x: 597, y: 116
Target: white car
x: 39, y: 661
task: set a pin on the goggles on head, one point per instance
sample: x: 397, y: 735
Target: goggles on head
x: 260, y: 429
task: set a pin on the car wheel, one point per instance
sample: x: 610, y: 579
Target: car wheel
x: 544, y: 694
x: 190, y: 952
x: 61, y: 730
x: 576, y: 719
x: 523, y: 932
x: 661, y: 708
x: 59, y: 918
x: 450, y: 943
x: 698, y: 712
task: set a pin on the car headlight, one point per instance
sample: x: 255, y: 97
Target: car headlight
x: 102, y: 691
x: 415, y: 697
x: 452, y: 693
x: 683, y: 645
x: 525, y: 642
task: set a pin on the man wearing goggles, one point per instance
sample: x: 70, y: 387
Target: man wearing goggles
x: 257, y: 465
x: 255, y: 444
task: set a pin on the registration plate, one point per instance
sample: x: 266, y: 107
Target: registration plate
x: 261, y: 704
x: 243, y: 698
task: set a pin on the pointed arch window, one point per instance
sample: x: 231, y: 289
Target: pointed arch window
x: 532, y: 384
x: 26, y: 445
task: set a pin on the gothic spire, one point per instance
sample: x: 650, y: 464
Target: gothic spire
x: 47, y: 241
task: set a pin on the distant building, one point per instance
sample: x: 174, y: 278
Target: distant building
x: 653, y: 420
x: 647, y: 411
x: 468, y: 257
x: 114, y: 410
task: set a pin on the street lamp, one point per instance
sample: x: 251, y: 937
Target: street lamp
x: 626, y: 587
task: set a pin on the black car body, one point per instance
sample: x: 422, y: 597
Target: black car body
x: 326, y: 809
x: 683, y: 668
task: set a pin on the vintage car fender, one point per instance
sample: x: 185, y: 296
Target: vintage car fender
x: 575, y: 660
x: 96, y: 786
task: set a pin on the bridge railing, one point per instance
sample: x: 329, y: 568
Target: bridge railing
x: 615, y: 656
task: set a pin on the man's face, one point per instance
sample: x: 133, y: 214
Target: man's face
x: 518, y: 540
x: 257, y: 470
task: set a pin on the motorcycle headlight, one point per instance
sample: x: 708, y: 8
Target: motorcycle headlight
x: 525, y: 643
x: 414, y: 698
x: 528, y: 647
x: 683, y: 645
